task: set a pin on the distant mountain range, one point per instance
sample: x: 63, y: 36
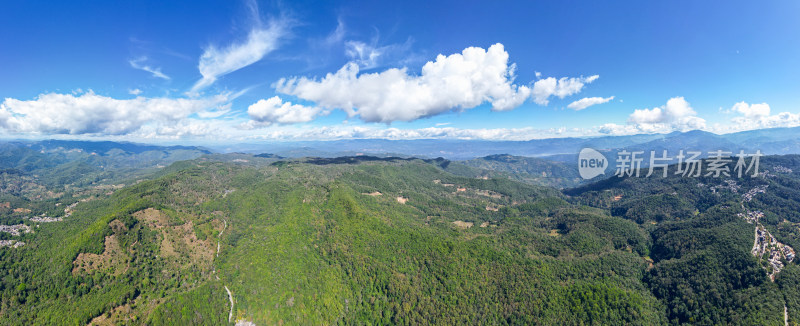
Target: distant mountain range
x: 769, y: 141
x: 61, y: 162
x: 774, y: 141
x: 543, y: 161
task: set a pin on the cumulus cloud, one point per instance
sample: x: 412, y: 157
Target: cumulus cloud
x: 587, y: 102
x: 139, y: 63
x: 751, y: 111
x: 135, y: 91
x: 677, y: 114
x: 757, y: 116
x: 187, y: 128
x: 89, y: 113
x: 783, y: 119
x: 216, y: 62
x: 275, y: 110
x: 456, y: 82
x: 545, y: 88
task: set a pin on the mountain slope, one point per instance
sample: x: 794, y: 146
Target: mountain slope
x: 368, y: 240
x: 707, y: 267
x: 304, y: 242
x: 530, y: 170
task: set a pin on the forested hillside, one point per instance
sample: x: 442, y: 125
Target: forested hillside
x: 714, y: 240
x: 324, y: 242
x: 530, y: 170
x: 43, y: 178
x: 364, y: 240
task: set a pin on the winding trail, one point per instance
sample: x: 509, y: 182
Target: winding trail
x: 220, y: 235
x: 230, y: 297
x: 785, y: 315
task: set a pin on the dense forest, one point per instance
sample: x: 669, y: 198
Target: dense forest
x: 531, y: 170
x: 221, y: 239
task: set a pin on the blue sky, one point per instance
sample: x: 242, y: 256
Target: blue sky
x: 232, y: 71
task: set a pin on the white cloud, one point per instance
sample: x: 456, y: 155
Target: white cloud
x: 587, y: 102
x: 275, y: 110
x: 216, y: 62
x: 187, y: 128
x: 233, y: 130
x: 783, y: 119
x: 364, y: 54
x: 757, y: 116
x: 338, y: 34
x: 139, y: 63
x: 216, y: 112
x: 135, y: 91
x: 543, y: 89
x: 456, y: 82
x: 90, y: 113
x: 751, y: 111
x: 369, y: 56
x: 616, y: 129
x: 677, y: 114
x: 371, y: 132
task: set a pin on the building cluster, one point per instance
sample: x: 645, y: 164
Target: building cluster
x: 45, y: 219
x: 15, y: 230
x: 765, y: 245
x: 752, y: 216
x: 728, y: 184
x: 11, y: 243
x: 20, y: 229
x: 777, y: 169
x: 70, y: 207
x: 782, y: 169
x: 789, y: 253
x: 748, y: 196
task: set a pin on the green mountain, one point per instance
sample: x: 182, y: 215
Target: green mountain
x: 530, y: 170
x: 317, y: 242
x: 229, y: 238
x: 41, y: 178
x: 707, y: 269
